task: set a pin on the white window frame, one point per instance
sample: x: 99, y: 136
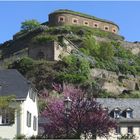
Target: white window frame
x: 34, y: 123
x: 6, y: 116
x: 29, y: 119
x: 32, y: 94
x: 129, y: 114
x: 128, y: 129
x: 118, y: 130
x: 116, y: 114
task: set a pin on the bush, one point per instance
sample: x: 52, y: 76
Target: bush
x: 20, y: 137
x: 44, y: 38
x: 23, y: 65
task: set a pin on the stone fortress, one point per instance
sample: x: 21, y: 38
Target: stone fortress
x: 68, y: 17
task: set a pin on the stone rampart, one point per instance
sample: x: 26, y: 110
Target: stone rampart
x: 67, y: 17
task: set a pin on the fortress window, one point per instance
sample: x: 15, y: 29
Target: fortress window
x: 61, y: 19
x: 114, y: 30
x: 106, y: 28
x: 74, y: 20
x: 86, y: 23
x: 95, y: 25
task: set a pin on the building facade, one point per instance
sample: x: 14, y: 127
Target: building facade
x: 21, y: 116
x: 68, y: 17
x: 126, y: 112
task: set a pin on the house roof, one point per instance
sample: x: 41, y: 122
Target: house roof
x: 13, y: 83
x: 123, y: 105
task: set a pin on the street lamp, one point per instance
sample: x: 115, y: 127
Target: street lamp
x: 67, y: 106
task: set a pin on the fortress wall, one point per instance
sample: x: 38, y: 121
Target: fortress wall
x: 58, y: 19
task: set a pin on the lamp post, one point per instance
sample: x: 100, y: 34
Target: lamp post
x: 67, y: 106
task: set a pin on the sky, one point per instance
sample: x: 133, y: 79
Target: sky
x: 126, y: 14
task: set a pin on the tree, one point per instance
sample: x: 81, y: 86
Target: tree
x: 86, y: 116
x: 106, y: 51
x: 29, y: 25
x: 90, y: 46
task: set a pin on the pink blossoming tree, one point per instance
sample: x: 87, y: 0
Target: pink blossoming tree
x: 86, y: 115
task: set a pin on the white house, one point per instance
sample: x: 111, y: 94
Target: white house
x: 24, y: 120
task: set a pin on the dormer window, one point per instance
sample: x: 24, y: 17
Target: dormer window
x: 117, y: 113
x: 129, y: 113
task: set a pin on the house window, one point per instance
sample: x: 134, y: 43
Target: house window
x: 129, y: 113
x: 74, y: 20
x: 106, y: 28
x: 32, y: 94
x: 130, y: 129
x: 29, y: 119
x: 61, y: 19
x: 116, y: 113
x: 34, y: 123
x: 118, y: 130
x: 6, y: 116
x: 86, y: 23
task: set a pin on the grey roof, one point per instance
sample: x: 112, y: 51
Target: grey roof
x: 13, y: 83
x: 123, y: 104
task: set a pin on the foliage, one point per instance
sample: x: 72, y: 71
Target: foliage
x: 76, y: 69
x: 134, y: 94
x: 85, y: 116
x: 28, y: 25
x: 20, y: 137
x: 105, y: 94
x: 128, y: 137
x: 23, y: 65
x: 44, y: 38
x: 90, y: 46
x: 76, y: 30
x: 106, y: 51
x: 5, y: 101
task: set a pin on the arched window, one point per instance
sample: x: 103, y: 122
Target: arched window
x: 114, y: 30
x: 86, y: 23
x: 74, y: 20
x: 106, y: 28
x: 61, y: 19
x: 96, y: 25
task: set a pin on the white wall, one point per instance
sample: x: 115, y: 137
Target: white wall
x: 32, y: 107
x: 8, y: 131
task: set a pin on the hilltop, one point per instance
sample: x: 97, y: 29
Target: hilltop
x: 99, y: 61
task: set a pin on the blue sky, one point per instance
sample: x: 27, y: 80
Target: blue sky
x: 126, y: 14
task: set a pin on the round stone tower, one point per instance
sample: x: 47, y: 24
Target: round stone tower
x: 68, y: 17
